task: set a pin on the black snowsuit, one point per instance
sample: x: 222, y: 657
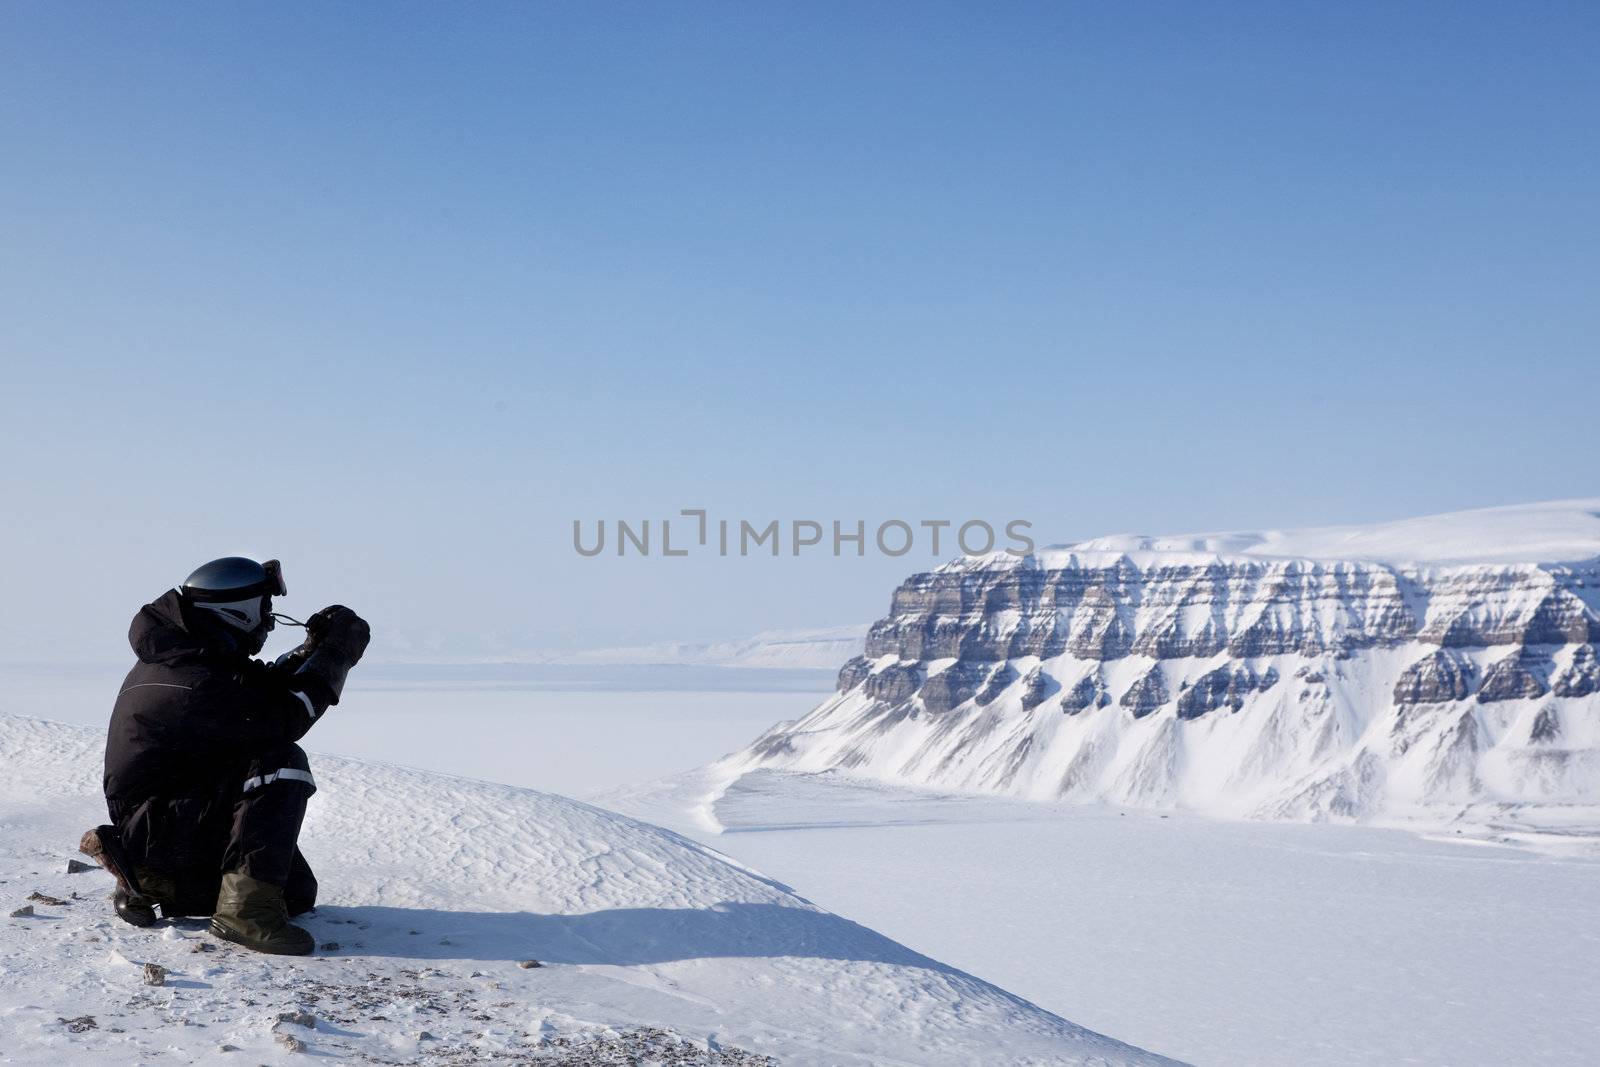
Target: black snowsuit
x: 203, y: 775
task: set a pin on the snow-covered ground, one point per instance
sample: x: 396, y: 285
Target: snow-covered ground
x: 1213, y: 942
x: 435, y: 890
x: 1216, y: 942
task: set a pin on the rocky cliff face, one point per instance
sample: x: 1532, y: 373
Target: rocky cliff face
x: 1231, y: 682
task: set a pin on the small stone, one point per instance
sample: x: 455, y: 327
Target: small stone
x: 54, y: 902
x: 529, y: 964
x: 444, y: 941
x: 23, y: 912
x: 78, y: 867
x: 202, y: 946
x: 298, y: 1018
x: 290, y: 1042
x: 413, y: 933
x: 425, y: 1036
x: 81, y: 1024
x: 155, y: 974
x: 330, y: 946
x: 227, y: 1048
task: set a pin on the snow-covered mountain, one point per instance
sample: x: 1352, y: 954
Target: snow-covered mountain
x: 1444, y: 665
x: 435, y: 893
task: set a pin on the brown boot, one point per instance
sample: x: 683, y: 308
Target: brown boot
x: 252, y: 914
x: 132, y: 904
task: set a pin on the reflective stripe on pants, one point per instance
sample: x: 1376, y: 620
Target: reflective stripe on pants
x: 286, y: 773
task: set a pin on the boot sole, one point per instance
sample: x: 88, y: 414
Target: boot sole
x: 223, y: 932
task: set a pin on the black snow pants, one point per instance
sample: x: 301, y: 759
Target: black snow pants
x: 248, y: 819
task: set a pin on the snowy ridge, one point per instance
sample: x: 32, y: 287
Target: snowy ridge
x: 653, y: 947
x: 1243, y: 674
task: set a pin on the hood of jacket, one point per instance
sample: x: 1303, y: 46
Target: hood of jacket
x: 164, y: 632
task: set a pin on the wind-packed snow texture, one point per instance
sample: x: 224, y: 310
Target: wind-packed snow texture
x: 435, y: 889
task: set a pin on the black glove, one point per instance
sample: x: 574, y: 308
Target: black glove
x: 339, y: 630
x: 337, y: 637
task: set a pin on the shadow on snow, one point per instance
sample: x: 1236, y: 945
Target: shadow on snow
x: 621, y: 936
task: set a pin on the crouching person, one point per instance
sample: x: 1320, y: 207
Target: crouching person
x: 204, y: 783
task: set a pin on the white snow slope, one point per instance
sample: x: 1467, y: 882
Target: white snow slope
x: 1439, y: 668
x: 655, y: 949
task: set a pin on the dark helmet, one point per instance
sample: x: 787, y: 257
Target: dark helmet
x: 237, y: 592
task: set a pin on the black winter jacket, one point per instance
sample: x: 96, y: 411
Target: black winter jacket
x: 191, y: 713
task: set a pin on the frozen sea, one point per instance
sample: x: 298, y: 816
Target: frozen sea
x: 1208, y: 941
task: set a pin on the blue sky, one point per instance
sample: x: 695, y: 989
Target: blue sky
x: 396, y: 292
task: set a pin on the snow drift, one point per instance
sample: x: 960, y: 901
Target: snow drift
x: 1438, y: 666
x: 653, y: 948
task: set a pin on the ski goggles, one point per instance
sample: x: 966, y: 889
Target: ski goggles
x: 275, y: 583
x: 277, y: 587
